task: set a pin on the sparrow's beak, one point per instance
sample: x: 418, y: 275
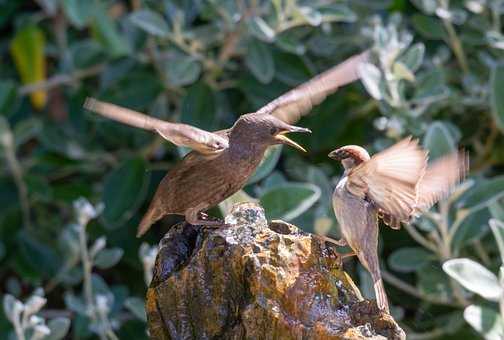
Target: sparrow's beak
x: 334, y: 155
x: 282, y: 138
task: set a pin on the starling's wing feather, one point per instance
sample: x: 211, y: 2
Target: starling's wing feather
x: 389, y: 179
x: 440, y: 177
x: 291, y: 106
x: 179, y: 134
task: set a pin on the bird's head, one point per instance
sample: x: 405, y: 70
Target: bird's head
x: 350, y: 155
x: 264, y: 129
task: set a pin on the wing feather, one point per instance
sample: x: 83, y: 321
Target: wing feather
x: 389, y: 179
x: 291, y: 106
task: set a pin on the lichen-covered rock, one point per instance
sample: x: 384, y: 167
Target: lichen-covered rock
x: 249, y: 280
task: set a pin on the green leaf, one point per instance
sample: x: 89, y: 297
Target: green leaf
x: 137, y: 307
x: 429, y: 27
x: 409, y: 259
x: 289, y: 201
x: 471, y: 228
x: 337, y: 13
x: 59, y: 328
x: 482, y: 193
x: 401, y: 71
x: 107, y: 258
x: 7, y: 96
x: 496, y: 97
x: 259, y: 60
x: 105, y: 31
x: 124, y: 191
x: 151, y: 22
x: 267, y: 164
x: 198, y: 107
x: 371, y: 78
x: 486, y: 321
x: 498, y: 231
x: 438, y: 140
x: 474, y: 277
x: 78, y: 12
x: 413, y: 57
x: 260, y: 29
x: 182, y: 70
x: 27, y: 50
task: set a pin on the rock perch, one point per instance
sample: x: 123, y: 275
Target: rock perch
x: 256, y: 281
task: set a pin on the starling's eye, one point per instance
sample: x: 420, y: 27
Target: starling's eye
x: 273, y: 131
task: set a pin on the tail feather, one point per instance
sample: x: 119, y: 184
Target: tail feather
x: 150, y: 217
x: 381, y: 296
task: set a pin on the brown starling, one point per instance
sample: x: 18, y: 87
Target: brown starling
x: 216, y: 169
x: 395, y: 185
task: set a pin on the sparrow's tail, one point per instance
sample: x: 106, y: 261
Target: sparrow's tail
x: 381, y: 296
x: 150, y: 217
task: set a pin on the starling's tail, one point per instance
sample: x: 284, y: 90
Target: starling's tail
x: 150, y: 217
x: 381, y: 296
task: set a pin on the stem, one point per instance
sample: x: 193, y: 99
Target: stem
x: 61, y: 79
x: 17, y: 173
x: 419, y: 238
x: 454, y: 40
x: 18, y: 329
x: 406, y: 287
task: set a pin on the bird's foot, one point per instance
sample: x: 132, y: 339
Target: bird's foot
x: 341, y: 242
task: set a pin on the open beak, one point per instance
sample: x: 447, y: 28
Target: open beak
x: 282, y: 138
x: 333, y: 154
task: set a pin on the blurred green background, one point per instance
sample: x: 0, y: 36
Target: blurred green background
x: 74, y: 185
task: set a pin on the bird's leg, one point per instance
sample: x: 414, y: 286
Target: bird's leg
x: 194, y: 216
x: 341, y: 243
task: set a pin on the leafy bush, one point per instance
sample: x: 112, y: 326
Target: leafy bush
x: 437, y: 73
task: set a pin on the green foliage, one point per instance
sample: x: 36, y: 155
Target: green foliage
x: 436, y: 73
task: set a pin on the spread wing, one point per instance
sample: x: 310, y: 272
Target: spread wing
x: 291, y: 106
x: 179, y: 134
x: 439, y: 179
x: 389, y: 180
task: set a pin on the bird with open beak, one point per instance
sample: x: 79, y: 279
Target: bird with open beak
x: 221, y: 162
x: 395, y: 185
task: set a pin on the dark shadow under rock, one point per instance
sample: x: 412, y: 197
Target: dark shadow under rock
x: 254, y: 281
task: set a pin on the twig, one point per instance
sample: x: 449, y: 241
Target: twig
x: 419, y: 238
x: 61, y: 79
x: 406, y: 287
x: 7, y: 141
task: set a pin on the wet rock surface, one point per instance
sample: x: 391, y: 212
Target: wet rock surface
x: 251, y: 280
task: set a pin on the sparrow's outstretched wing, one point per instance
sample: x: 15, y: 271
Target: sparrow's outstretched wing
x: 291, y: 106
x: 389, y: 180
x: 440, y: 178
x: 179, y: 134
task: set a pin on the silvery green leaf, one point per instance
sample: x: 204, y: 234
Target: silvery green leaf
x: 474, y: 277
x: 59, y: 328
x: 483, y: 193
x: 151, y: 22
x: 260, y: 29
x: 137, y: 307
x: 97, y: 246
x: 401, y: 71
x: 75, y: 303
x: 498, y: 231
x: 108, y: 257
x: 409, y: 259
x: 497, y: 210
x: 12, y: 307
x: 496, y: 97
x: 371, y: 78
x: 40, y: 332
x: 289, y: 200
x: 310, y: 15
x: 268, y: 163
x: 438, y: 140
x: 34, y: 304
x: 182, y: 69
x: 486, y: 321
x: 259, y: 60
x: 413, y: 57
x: 337, y: 13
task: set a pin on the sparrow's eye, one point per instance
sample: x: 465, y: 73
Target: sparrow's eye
x: 273, y: 131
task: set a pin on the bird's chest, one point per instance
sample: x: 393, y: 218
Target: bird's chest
x: 355, y: 215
